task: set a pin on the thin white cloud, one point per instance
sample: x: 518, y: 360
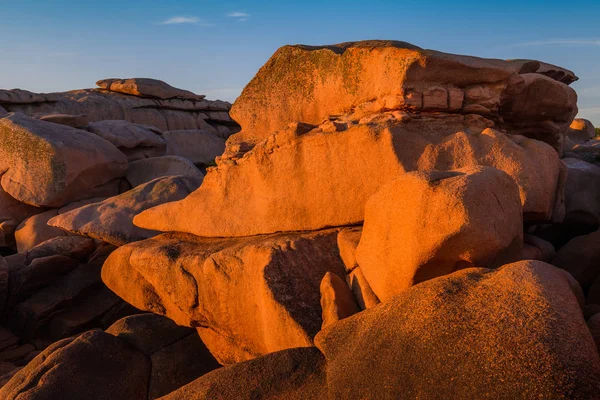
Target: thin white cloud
x: 239, y: 16
x: 181, y: 20
x: 560, y: 42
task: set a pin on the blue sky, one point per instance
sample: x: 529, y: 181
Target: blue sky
x: 215, y: 48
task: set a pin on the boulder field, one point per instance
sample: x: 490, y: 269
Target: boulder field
x: 373, y: 221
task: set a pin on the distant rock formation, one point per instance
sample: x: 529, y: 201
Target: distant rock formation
x: 140, y: 101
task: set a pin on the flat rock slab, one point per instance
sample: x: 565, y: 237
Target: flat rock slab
x: 111, y: 220
x: 145, y: 87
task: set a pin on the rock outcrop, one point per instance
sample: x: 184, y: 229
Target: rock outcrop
x: 35, y: 230
x: 525, y: 97
x: 81, y: 368
x: 526, y: 338
x: 295, y: 374
x: 303, y: 178
x: 582, y: 192
x: 101, y: 104
x: 377, y: 230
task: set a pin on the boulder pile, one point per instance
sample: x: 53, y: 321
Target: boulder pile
x: 384, y: 222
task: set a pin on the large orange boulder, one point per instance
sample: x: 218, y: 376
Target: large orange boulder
x: 514, y: 332
x: 46, y: 164
x: 523, y: 96
x: 305, y: 178
x: 248, y: 296
x: 426, y: 224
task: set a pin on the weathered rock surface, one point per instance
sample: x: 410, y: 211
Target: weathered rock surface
x: 136, y: 141
x: 142, y: 171
x: 515, y: 332
x: 363, y: 293
x: 145, y: 87
x: 545, y: 250
x: 197, y: 145
x: 426, y: 224
x: 157, y: 355
x: 111, y: 220
x: 47, y: 164
x: 525, y: 97
x: 299, y: 180
x: 251, y: 296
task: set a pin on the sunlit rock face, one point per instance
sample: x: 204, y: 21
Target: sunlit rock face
x: 311, y: 83
x: 304, y: 178
x: 247, y: 296
x: 426, y: 224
